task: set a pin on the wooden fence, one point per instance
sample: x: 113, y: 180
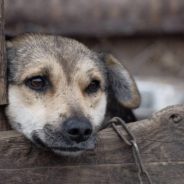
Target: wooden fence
x: 95, y: 18
x: 161, y: 143
x: 3, y: 96
x: 3, y: 71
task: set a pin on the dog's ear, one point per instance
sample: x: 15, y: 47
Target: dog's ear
x: 121, y: 83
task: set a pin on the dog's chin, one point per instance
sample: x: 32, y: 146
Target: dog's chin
x: 61, y: 148
x: 67, y: 153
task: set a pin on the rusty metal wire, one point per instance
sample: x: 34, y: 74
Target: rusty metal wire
x: 143, y: 175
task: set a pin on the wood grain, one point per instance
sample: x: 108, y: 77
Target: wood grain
x: 3, y: 121
x: 3, y: 65
x: 160, y: 139
x: 166, y: 173
x: 94, y: 18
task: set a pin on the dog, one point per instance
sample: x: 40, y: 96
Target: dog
x: 61, y: 93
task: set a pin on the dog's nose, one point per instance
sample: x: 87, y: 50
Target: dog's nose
x: 77, y: 130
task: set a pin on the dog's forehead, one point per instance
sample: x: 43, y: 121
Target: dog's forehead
x: 43, y: 51
x: 63, y: 49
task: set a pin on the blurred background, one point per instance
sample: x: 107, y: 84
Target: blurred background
x: 146, y: 35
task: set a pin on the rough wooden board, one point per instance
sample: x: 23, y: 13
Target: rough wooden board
x: 166, y: 173
x: 97, y: 17
x: 3, y: 87
x: 3, y: 121
x: 161, y: 142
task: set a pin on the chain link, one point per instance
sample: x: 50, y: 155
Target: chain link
x: 143, y: 175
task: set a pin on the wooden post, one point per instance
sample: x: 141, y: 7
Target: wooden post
x: 3, y: 65
x: 3, y: 70
x: 161, y: 143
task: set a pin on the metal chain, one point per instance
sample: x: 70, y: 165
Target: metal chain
x: 143, y: 175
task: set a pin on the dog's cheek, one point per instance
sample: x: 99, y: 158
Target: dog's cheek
x: 97, y: 112
x: 22, y: 117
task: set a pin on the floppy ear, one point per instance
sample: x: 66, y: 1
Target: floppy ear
x: 121, y: 83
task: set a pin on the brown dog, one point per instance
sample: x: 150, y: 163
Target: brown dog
x: 60, y: 92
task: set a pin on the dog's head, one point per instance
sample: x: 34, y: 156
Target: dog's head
x: 58, y: 91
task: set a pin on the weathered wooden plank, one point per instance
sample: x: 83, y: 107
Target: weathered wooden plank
x: 3, y: 87
x: 3, y: 121
x: 112, y: 17
x: 3, y: 65
x: 161, y: 142
x: 161, y: 173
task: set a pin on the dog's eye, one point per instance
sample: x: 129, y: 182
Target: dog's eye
x: 37, y: 83
x: 93, y: 87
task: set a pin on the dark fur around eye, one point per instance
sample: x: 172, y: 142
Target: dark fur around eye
x: 37, y: 83
x: 93, y: 87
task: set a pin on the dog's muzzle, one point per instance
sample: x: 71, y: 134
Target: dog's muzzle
x: 75, y: 135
